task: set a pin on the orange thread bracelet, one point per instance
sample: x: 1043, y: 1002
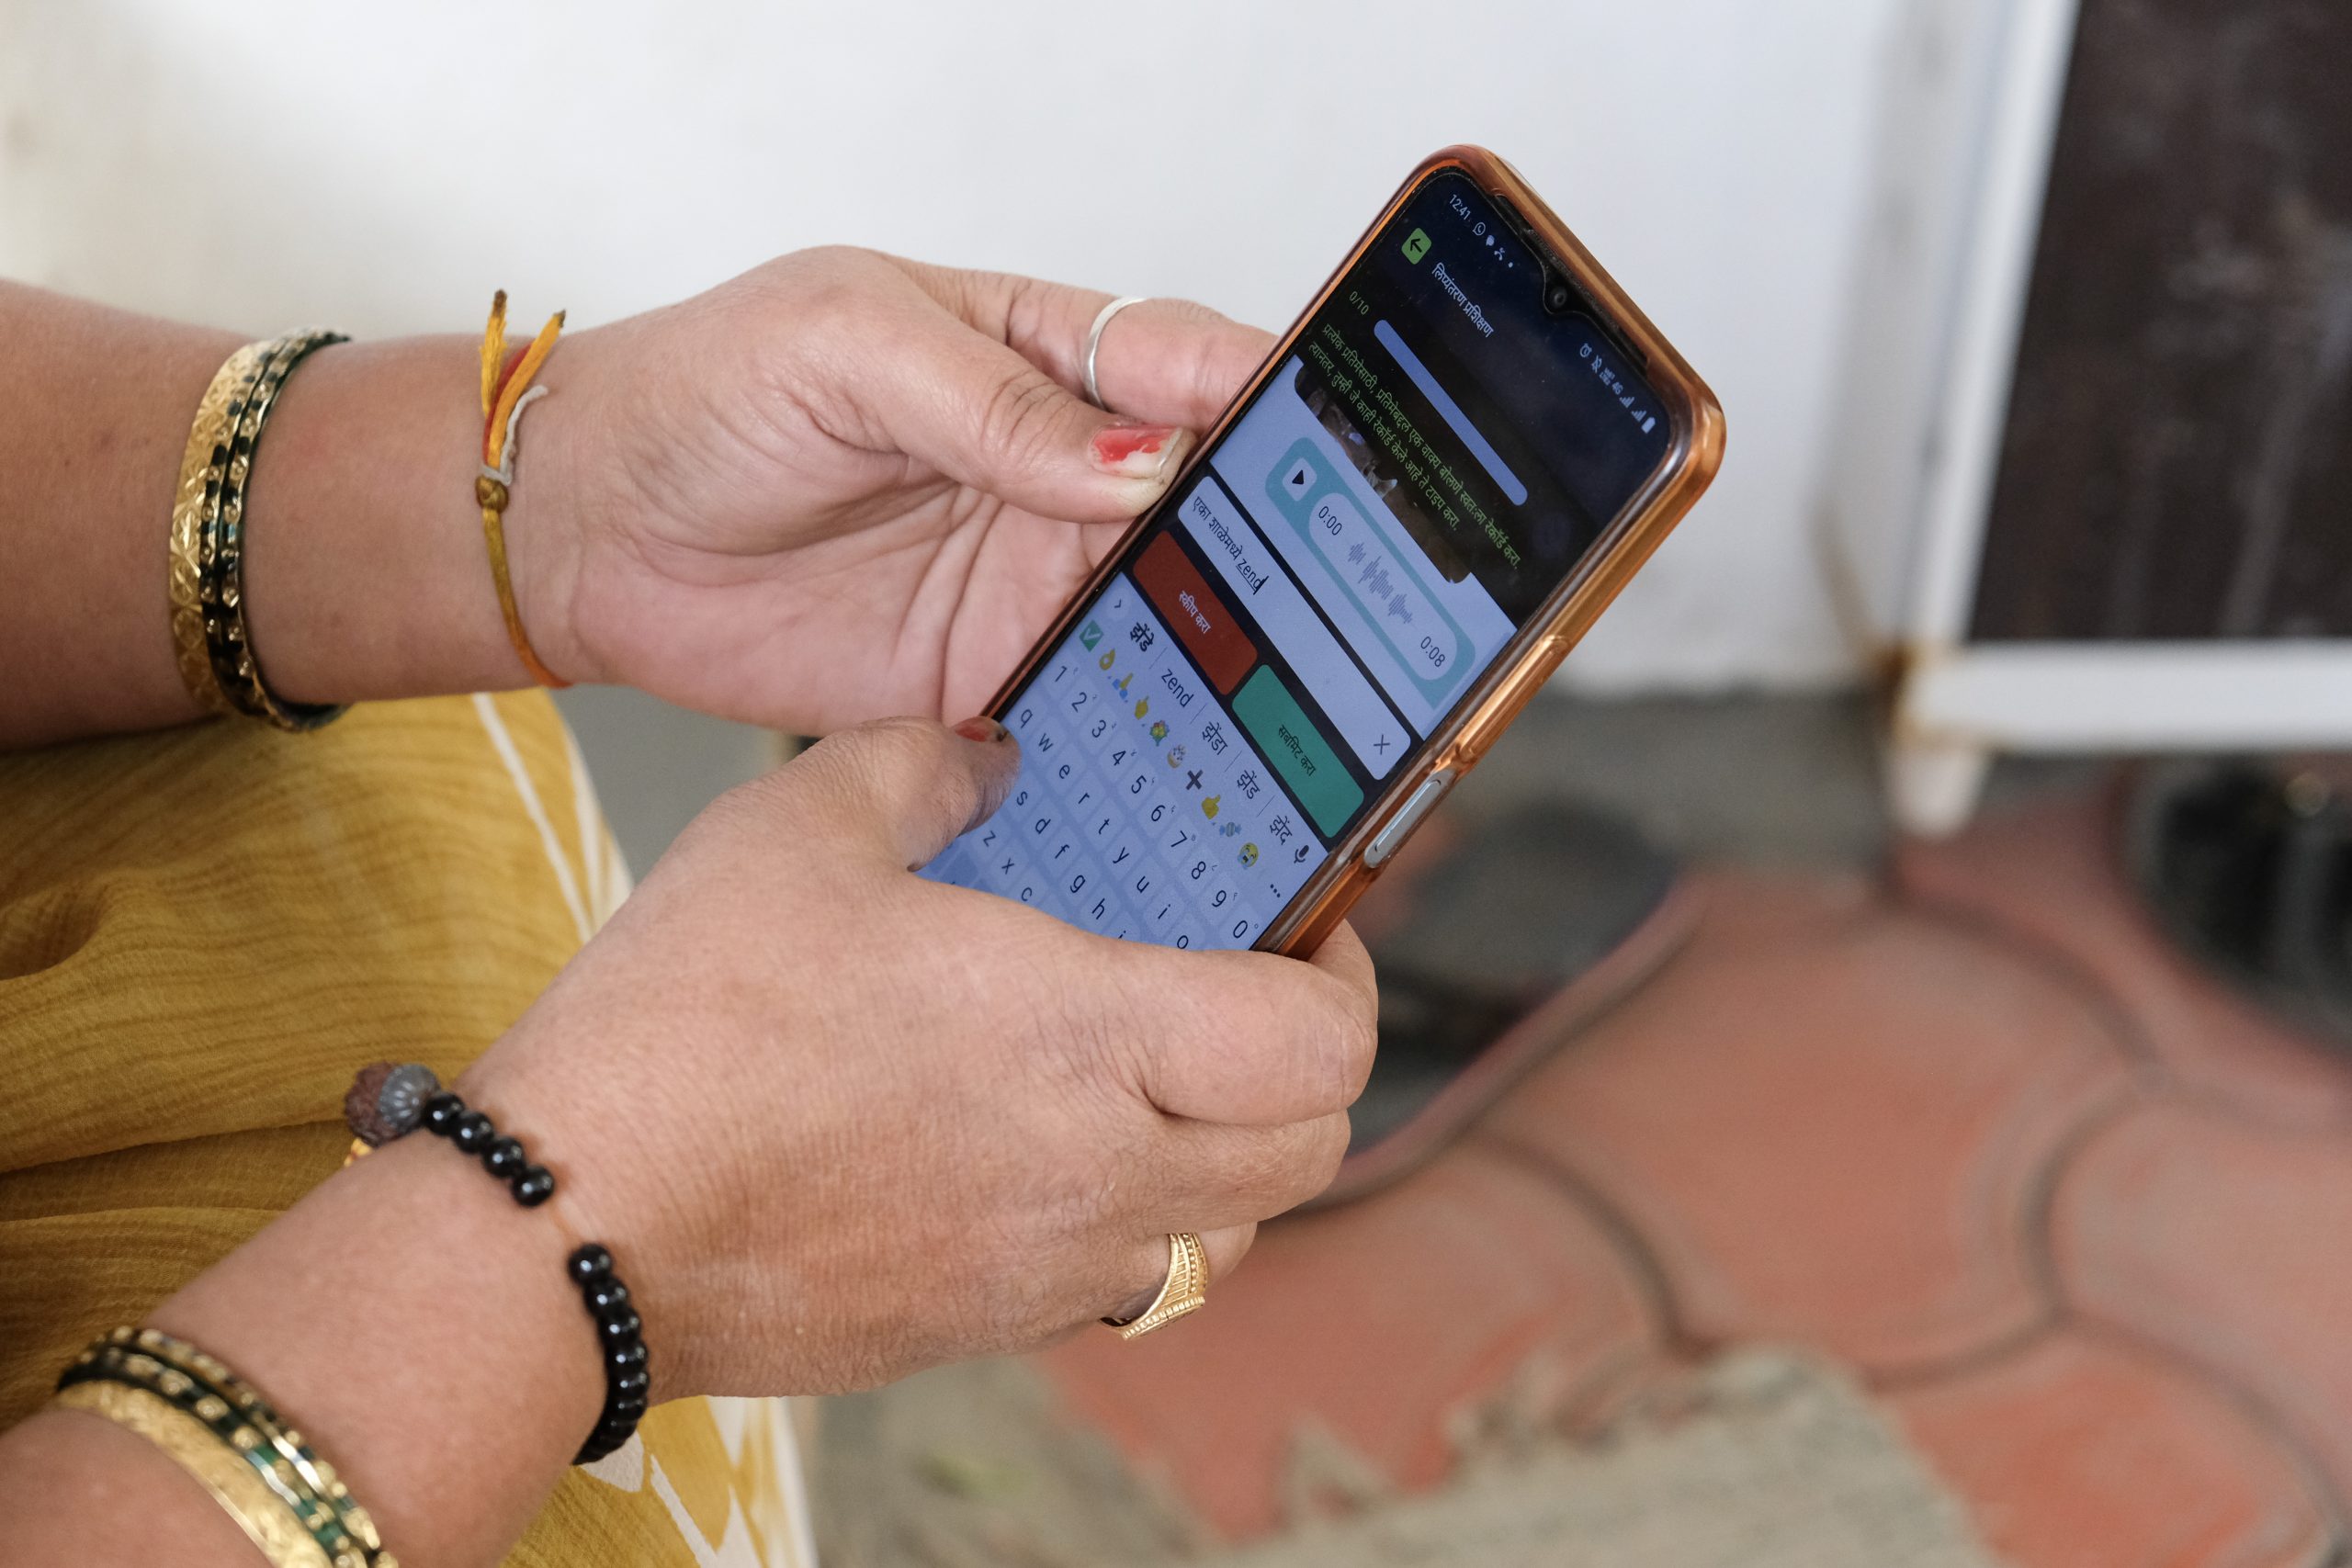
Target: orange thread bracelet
x: 506, y: 392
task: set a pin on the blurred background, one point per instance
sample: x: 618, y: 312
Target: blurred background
x: 1864, y: 1059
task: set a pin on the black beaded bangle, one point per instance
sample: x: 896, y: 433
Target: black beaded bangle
x: 388, y: 1101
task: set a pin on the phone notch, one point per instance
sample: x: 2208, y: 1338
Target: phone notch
x: 1562, y: 294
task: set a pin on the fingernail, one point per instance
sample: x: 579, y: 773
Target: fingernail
x: 987, y: 731
x: 1140, y: 451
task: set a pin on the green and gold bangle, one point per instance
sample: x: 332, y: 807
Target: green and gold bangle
x: 222, y: 1471
x: 240, y: 1422
x: 203, y: 463
x: 256, y: 373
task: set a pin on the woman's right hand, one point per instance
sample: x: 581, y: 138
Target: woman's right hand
x: 838, y: 1123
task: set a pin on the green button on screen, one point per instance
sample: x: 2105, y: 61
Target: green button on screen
x: 1297, y: 750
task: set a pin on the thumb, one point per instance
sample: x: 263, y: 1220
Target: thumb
x: 905, y: 788
x: 982, y: 414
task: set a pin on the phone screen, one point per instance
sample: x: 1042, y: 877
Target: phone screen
x: 1432, y: 459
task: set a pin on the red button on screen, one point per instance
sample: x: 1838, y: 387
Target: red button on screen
x: 1202, y: 624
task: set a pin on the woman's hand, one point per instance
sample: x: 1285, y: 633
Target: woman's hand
x: 846, y: 485
x: 840, y: 486
x: 838, y: 1123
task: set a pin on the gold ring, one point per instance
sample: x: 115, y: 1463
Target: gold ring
x: 1186, y: 1288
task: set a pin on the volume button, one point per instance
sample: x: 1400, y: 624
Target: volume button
x: 1494, y: 714
x: 1399, y: 828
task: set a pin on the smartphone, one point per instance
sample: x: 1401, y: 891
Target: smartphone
x: 1447, y: 469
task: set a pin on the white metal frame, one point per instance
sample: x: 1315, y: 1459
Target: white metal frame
x: 1956, y: 712
x: 1972, y: 120
x: 1998, y: 271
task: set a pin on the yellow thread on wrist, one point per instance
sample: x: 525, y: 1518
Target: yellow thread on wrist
x: 505, y: 393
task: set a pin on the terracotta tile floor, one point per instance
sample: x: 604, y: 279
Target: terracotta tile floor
x: 2080, y: 1217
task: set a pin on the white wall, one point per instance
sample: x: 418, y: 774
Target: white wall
x: 267, y: 162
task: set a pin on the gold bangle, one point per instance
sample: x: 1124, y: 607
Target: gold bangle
x: 220, y: 551
x: 234, y: 1485
x: 202, y: 468
x: 352, y: 1526
x: 239, y: 1421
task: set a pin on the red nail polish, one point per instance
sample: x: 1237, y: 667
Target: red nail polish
x: 987, y: 731
x: 1138, y: 451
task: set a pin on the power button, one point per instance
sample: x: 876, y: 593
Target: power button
x: 1400, y: 826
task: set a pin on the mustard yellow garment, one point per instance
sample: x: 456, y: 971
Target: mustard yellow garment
x: 203, y: 934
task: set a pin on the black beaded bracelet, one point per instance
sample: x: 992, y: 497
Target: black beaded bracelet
x: 621, y: 1341
x: 446, y: 1116
x: 389, y: 1102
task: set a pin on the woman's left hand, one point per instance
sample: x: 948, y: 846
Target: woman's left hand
x: 846, y: 485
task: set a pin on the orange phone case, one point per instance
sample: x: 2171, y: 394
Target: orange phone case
x: 1531, y: 657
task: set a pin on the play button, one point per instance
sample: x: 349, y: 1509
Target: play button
x: 1300, y: 477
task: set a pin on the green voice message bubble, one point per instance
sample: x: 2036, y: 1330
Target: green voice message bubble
x: 1379, y: 576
